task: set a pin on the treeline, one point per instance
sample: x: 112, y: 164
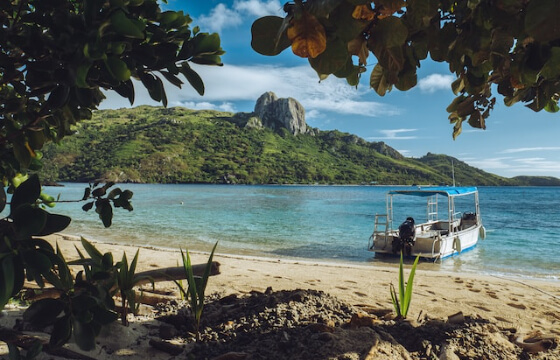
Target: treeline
x: 177, y: 145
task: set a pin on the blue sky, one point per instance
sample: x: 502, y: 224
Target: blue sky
x: 517, y: 140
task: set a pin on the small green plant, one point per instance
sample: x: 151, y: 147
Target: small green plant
x: 32, y: 352
x: 126, y: 281
x: 402, y: 302
x: 196, y: 287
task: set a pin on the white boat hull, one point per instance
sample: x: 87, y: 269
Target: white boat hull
x: 430, y: 244
x: 445, y: 232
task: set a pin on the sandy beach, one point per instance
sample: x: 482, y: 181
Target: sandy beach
x: 522, y: 304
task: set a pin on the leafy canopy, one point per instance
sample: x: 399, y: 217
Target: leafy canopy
x: 508, y: 46
x: 56, y: 57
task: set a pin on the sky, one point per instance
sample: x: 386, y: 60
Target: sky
x: 517, y: 141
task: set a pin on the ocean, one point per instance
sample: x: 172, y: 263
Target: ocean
x: 320, y: 223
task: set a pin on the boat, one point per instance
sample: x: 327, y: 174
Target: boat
x: 446, y: 231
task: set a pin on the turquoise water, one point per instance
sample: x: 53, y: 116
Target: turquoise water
x: 321, y: 223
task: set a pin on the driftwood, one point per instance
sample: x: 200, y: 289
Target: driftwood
x: 176, y: 273
x: 27, y: 341
x: 156, y: 275
x: 167, y: 347
x: 536, y: 342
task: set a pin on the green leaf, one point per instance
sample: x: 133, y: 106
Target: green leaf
x: 126, y: 90
x: 551, y: 69
x: 346, y: 70
x: 207, y: 60
x: 29, y: 220
x: 331, y: 60
x: 92, y: 251
x: 18, y: 276
x: 36, y: 260
x: 34, y: 350
x: 322, y: 8
x: 378, y: 81
x: 83, y: 303
x: 193, y: 78
x: 62, y: 331
x: 407, y: 80
x: 2, y: 198
x: 99, y: 192
x: 88, y: 206
x: 552, y: 106
x: 347, y: 28
x: 207, y: 271
x: 7, y: 274
x: 114, y: 193
x: 104, y: 316
x: 389, y: 32
x: 84, y: 335
x: 268, y: 36
x: 58, y: 97
x: 408, y: 291
x: 541, y: 20
x: 14, y: 352
x: 401, y: 284
x: 118, y: 68
x: 43, y: 312
x: 167, y: 17
x: 172, y: 78
x: 125, y: 26
x: 206, y: 44
x: 105, y: 211
x: 55, y: 223
x: 87, y: 193
x: 26, y: 193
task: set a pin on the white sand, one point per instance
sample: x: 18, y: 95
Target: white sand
x: 516, y: 303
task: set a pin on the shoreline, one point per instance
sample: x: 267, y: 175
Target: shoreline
x: 522, y: 307
x: 522, y: 303
x: 386, y: 262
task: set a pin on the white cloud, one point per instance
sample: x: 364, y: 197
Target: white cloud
x: 510, y: 166
x: 259, y: 8
x: 232, y: 83
x: 490, y: 163
x: 222, y: 17
x: 219, y: 18
x: 313, y: 114
x: 393, y: 134
x: 527, y: 149
x: 435, y: 82
x: 204, y: 105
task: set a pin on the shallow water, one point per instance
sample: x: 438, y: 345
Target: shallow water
x: 327, y: 223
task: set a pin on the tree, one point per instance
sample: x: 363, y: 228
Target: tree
x: 508, y: 46
x: 56, y: 57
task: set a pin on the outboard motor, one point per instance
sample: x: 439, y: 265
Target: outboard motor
x: 407, y: 237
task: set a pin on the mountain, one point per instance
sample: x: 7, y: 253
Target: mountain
x: 177, y: 145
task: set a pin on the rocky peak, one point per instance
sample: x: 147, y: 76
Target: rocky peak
x: 276, y: 113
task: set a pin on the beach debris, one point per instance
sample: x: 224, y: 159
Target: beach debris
x: 232, y: 356
x: 165, y: 346
x: 457, y: 318
x: 448, y: 353
x: 361, y: 319
x: 535, y: 342
x: 25, y: 341
x: 320, y: 328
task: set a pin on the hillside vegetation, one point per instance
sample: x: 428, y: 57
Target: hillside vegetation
x: 176, y: 145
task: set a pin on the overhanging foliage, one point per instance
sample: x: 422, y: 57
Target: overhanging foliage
x: 511, y: 47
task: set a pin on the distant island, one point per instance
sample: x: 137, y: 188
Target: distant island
x: 272, y: 145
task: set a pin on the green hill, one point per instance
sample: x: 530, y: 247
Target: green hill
x: 176, y: 145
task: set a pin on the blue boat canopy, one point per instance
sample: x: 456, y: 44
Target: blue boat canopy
x: 437, y: 190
